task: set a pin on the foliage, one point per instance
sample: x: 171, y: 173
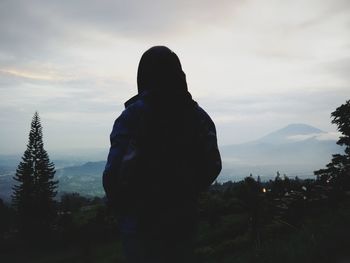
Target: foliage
x: 337, y: 172
x: 295, y: 224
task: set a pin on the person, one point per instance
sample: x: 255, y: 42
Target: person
x: 163, y: 154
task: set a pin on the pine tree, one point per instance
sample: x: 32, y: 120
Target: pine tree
x: 33, y: 195
x: 337, y: 172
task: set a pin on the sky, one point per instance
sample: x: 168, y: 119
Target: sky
x: 255, y: 66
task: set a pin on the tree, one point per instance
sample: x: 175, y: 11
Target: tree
x: 250, y: 193
x: 33, y: 194
x: 337, y: 172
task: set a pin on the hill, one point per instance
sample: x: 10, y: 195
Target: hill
x: 85, y: 179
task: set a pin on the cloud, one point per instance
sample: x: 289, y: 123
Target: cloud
x: 255, y: 66
x: 340, y: 68
x: 145, y: 18
x: 35, y: 29
x: 325, y: 136
x: 30, y: 76
x: 246, y: 118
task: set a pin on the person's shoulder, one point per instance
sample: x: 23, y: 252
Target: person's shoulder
x: 133, y: 107
x: 203, y: 115
x: 134, y: 103
x: 127, y: 121
x: 205, y: 120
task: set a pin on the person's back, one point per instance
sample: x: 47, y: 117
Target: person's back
x: 163, y: 154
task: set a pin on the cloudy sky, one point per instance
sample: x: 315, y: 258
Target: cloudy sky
x: 254, y: 65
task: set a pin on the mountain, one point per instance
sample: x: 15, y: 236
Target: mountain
x: 93, y: 169
x: 285, y: 134
x: 297, y: 150
x: 85, y: 179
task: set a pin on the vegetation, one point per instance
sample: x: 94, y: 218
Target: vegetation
x: 337, y: 172
x: 281, y: 220
x: 289, y: 220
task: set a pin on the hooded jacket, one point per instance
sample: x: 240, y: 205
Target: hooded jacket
x: 163, y: 146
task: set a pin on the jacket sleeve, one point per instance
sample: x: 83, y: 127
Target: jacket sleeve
x: 210, y: 156
x: 119, y: 139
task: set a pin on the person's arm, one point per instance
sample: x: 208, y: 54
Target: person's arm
x: 119, y: 138
x: 209, y: 151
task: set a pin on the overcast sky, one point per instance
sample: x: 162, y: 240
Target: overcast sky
x: 255, y: 66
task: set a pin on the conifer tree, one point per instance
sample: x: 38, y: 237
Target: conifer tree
x: 34, y: 192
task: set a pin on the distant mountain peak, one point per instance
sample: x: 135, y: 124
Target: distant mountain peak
x: 300, y: 128
x: 294, y: 129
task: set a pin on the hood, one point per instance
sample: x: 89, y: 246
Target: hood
x: 160, y: 69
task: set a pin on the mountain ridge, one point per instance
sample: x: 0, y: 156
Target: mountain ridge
x: 273, y: 152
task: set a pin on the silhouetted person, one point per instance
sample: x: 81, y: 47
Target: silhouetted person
x: 163, y: 154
